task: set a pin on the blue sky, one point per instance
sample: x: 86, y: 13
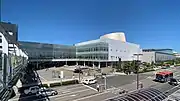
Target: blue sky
x: 150, y: 23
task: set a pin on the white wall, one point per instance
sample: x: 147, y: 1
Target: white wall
x: 123, y: 50
x: 148, y: 57
x: 4, y: 44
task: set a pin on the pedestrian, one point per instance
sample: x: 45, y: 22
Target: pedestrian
x: 97, y: 87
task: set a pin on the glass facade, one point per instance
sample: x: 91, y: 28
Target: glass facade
x: 94, y: 51
x: 48, y: 51
x: 168, y: 51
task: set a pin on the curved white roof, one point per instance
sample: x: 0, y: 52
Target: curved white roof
x: 115, y: 36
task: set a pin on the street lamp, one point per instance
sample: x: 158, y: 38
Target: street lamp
x: 137, y: 76
x: 79, y: 71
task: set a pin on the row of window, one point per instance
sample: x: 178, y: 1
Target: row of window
x: 92, y: 49
x: 121, y: 50
x: 115, y: 57
x: 94, y: 56
x: 161, y: 58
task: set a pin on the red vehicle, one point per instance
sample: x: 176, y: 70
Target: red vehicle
x: 164, y: 76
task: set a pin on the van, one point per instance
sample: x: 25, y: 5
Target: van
x: 89, y: 81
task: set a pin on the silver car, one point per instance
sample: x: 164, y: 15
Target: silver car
x: 46, y: 92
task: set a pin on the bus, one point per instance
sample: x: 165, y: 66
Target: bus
x: 163, y: 76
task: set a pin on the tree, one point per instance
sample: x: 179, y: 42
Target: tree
x: 127, y: 68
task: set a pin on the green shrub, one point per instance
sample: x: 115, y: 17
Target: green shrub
x: 45, y: 85
x: 64, y: 83
x: 55, y: 84
x: 70, y: 82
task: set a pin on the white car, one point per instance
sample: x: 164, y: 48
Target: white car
x: 46, y: 92
x: 31, y: 90
x: 89, y: 81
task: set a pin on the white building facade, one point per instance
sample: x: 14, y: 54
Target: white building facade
x: 110, y: 47
x: 157, y: 55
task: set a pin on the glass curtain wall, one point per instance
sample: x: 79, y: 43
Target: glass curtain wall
x: 48, y: 51
x: 95, y: 51
x: 64, y: 52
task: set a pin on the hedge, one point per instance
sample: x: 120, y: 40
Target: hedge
x: 55, y: 84
x: 45, y: 85
x: 64, y: 83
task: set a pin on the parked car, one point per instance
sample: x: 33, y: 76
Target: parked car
x: 89, y: 81
x: 45, y: 93
x: 78, y: 71
x: 31, y: 90
x: 174, y: 81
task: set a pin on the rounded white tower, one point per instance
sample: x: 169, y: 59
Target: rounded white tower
x: 115, y: 36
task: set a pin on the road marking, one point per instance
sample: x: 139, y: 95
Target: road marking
x: 91, y: 96
x: 17, y: 99
x: 90, y: 87
x: 68, y: 93
x: 118, y: 95
x: 73, y: 95
x: 42, y: 78
x: 64, y: 89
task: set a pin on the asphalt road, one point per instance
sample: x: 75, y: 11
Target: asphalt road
x: 80, y: 92
x: 65, y: 93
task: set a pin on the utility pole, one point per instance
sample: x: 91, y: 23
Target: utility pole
x: 137, y: 76
x: 105, y: 82
x: 79, y: 72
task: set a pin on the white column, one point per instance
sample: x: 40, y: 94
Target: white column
x: 76, y: 62
x: 99, y: 66
x: 84, y: 63
x: 106, y: 64
x: 93, y: 65
x: 66, y: 62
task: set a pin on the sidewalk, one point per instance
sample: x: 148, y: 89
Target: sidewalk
x: 174, y: 96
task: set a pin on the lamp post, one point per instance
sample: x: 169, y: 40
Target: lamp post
x: 79, y: 70
x: 137, y: 76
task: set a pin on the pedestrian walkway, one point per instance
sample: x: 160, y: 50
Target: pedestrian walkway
x: 174, y: 96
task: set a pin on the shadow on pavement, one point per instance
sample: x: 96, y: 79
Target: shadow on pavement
x: 30, y: 78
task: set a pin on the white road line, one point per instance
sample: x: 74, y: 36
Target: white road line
x: 71, y: 88
x: 91, y: 96
x: 65, y: 96
x: 66, y: 87
x: 68, y: 93
x: 117, y: 95
x: 90, y: 87
x: 42, y: 78
x: 16, y: 99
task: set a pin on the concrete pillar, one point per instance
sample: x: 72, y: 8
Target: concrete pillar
x: 76, y: 62
x: 99, y: 65
x: 66, y: 62
x: 111, y: 64
x: 93, y: 65
x: 106, y: 64
x: 84, y: 63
